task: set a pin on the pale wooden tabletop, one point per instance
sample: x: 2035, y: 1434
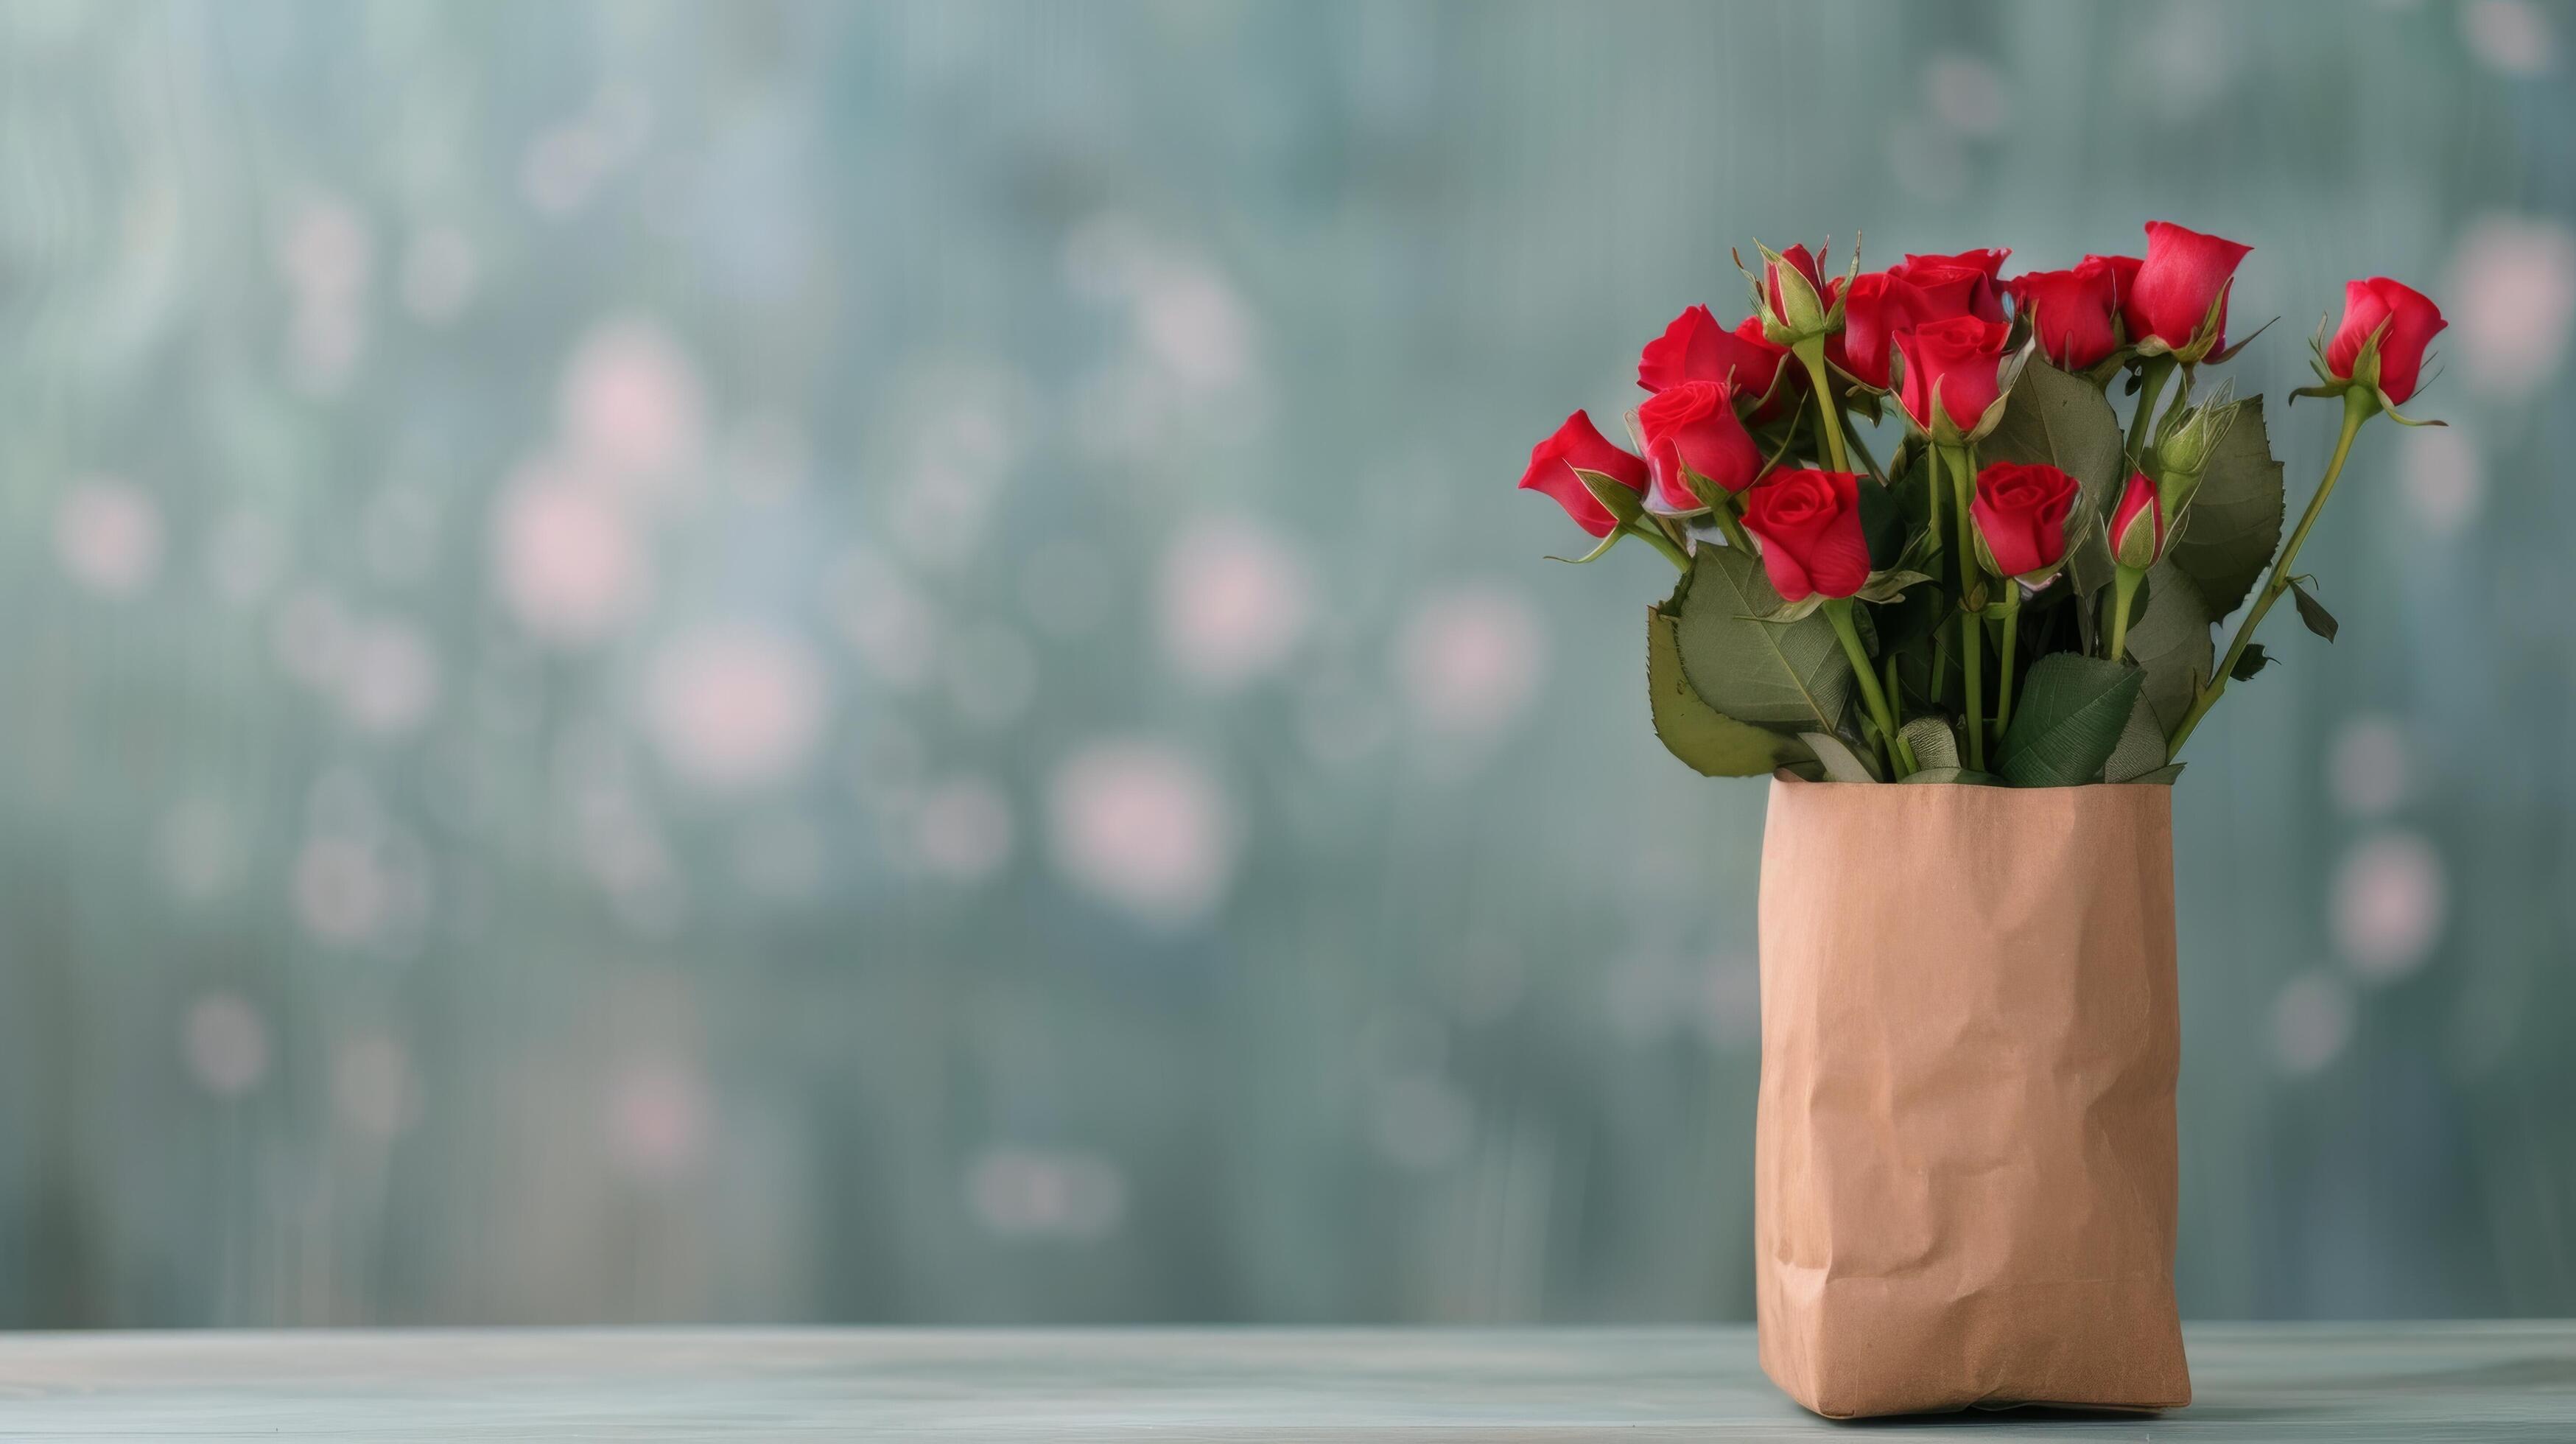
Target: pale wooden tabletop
x: 2356, y: 1382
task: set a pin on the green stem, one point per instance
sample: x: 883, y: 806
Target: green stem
x: 1896, y: 713
x: 2011, y: 610
x: 2181, y: 401
x: 2124, y: 589
x: 1962, y: 467
x: 1654, y: 535
x: 1932, y: 480
x: 1811, y: 354
x: 1838, y: 610
x: 2151, y: 384
x: 2359, y: 405
x: 1895, y: 694
x: 1729, y: 523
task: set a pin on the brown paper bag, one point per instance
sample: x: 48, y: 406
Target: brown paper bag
x: 1964, y: 1158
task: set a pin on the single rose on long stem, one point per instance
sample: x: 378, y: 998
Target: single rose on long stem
x: 2020, y: 511
x: 1813, y: 544
x: 2137, y: 540
x: 2360, y: 403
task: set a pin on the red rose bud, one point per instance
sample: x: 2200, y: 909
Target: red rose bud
x: 1812, y: 541
x: 2124, y: 274
x: 1577, y: 444
x: 1758, y: 372
x: 1874, y: 307
x: 2020, y: 510
x: 1961, y: 361
x: 2138, y: 525
x: 1695, y: 348
x: 1691, y: 431
x: 2072, y: 312
x: 2184, y: 275
x: 2410, y: 322
x: 1962, y: 285
x: 1801, y: 312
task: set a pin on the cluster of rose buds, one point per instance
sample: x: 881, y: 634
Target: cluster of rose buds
x: 1750, y: 436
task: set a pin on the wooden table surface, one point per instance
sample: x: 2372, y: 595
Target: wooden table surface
x: 2358, y: 1382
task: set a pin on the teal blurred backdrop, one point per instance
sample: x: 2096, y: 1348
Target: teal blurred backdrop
x: 877, y: 661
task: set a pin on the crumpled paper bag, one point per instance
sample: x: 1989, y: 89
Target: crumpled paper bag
x: 1964, y: 1182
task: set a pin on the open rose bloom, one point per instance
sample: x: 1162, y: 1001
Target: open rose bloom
x: 1918, y: 516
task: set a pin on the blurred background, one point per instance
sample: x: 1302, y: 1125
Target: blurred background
x: 877, y: 662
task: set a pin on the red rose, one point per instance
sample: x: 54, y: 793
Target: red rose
x: 2020, y: 509
x: 1804, y: 264
x: 1961, y: 359
x: 2184, y: 274
x: 2412, y: 321
x: 1693, y: 426
x: 1960, y: 285
x: 1875, y: 307
x: 2072, y: 312
x: 2138, y: 525
x: 1809, y: 523
x: 2124, y: 274
x: 1695, y: 348
x: 1577, y: 443
x: 1757, y: 366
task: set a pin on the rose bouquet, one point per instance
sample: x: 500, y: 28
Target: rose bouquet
x: 1965, y: 1146
x: 2025, y: 591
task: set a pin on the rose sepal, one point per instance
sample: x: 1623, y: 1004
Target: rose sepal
x: 1801, y: 314
x: 1890, y: 586
x: 1787, y: 612
x: 2202, y: 339
x: 1616, y: 497
x: 1944, y: 432
x: 2183, y: 451
x: 2034, y: 583
x: 2365, y: 374
x: 1609, y: 539
x: 2101, y: 372
x: 2219, y: 358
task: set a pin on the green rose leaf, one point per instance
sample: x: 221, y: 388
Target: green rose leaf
x: 1842, y: 764
x: 2162, y: 777
x: 1615, y: 497
x: 2068, y: 720
x: 2248, y: 662
x: 1771, y: 674
x: 2234, y: 523
x: 2313, y: 612
x: 1882, y: 525
x: 2169, y: 639
x: 1934, y: 744
x: 2141, y: 748
x: 1712, y: 743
